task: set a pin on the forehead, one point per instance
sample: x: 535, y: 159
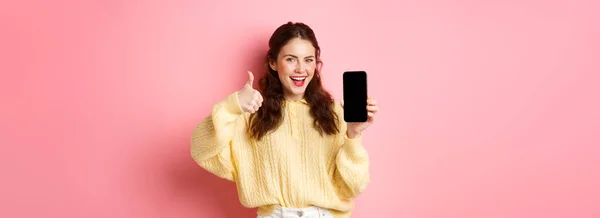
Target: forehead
x: 298, y: 48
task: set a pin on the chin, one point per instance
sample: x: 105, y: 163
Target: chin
x: 296, y: 91
x: 299, y: 92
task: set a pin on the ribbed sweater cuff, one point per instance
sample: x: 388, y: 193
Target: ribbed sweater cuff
x: 232, y: 104
x: 354, y: 146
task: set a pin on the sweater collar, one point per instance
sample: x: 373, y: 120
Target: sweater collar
x: 301, y: 101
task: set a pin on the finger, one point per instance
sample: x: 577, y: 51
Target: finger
x: 250, y: 79
x: 258, y: 96
x: 342, y: 103
x: 258, y: 102
x: 372, y: 109
x: 256, y: 107
x: 372, y: 102
x: 371, y: 114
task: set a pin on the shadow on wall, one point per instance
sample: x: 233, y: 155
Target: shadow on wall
x: 166, y: 182
x: 256, y: 62
x: 197, y: 184
x: 173, y: 184
x: 254, y: 46
x: 206, y: 190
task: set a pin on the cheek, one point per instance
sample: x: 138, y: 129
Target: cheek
x: 311, y: 69
x: 290, y: 67
x: 285, y: 67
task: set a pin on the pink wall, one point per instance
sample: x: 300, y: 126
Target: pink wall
x: 495, y: 105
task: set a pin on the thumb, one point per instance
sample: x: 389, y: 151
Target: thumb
x: 250, y: 79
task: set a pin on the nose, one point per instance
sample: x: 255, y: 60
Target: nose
x: 300, y: 67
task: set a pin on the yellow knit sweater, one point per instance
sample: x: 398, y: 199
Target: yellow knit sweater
x: 293, y: 166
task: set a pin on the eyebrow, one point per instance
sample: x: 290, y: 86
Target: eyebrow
x: 297, y: 57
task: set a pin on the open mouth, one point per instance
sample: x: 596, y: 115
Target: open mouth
x: 298, y: 80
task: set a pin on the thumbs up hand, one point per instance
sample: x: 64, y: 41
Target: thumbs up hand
x: 250, y: 99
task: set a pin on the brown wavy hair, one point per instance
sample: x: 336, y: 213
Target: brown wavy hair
x: 270, y: 114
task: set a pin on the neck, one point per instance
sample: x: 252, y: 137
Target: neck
x: 293, y: 98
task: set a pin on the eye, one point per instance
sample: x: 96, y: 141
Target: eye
x: 309, y: 60
x: 289, y: 59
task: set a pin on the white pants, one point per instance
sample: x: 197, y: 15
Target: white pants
x: 309, y: 212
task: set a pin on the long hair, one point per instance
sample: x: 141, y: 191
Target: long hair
x: 270, y: 114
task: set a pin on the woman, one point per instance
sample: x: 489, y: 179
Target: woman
x: 288, y: 148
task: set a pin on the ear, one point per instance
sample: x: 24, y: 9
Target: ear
x: 319, y: 65
x: 273, y: 65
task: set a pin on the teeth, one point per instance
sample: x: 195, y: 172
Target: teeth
x: 298, y: 78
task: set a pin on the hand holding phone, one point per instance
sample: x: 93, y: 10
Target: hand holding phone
x: 359, y: 109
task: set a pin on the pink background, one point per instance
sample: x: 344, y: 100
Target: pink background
x: 488, y: 110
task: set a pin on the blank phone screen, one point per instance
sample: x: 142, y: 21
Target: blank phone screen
x: 355, y: 96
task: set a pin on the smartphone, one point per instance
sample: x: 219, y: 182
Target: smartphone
x: 355, y: 96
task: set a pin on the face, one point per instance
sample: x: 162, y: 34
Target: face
x: 295, y: 64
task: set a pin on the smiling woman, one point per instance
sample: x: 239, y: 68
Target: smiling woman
x: 295, y: 66
x: 293, y: 75
x: 286, y: 147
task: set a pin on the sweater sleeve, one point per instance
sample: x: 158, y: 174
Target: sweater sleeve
x: 211, y: 139
x: 351, y: 174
